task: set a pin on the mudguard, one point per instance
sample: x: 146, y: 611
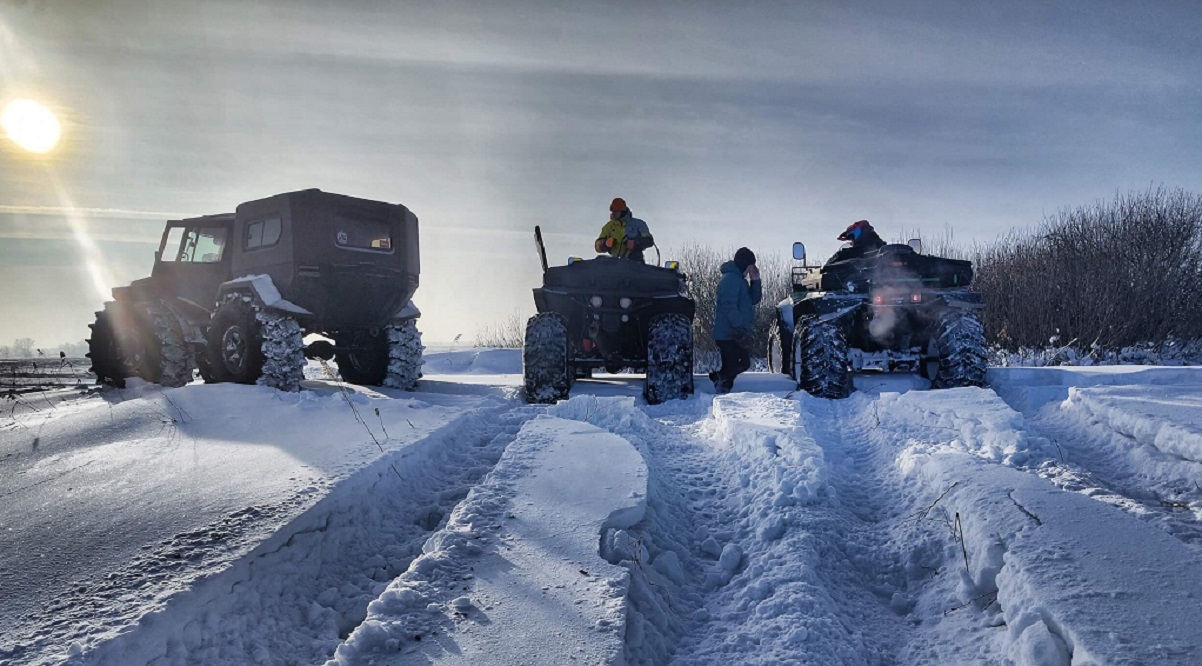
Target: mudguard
x: 265, y: 292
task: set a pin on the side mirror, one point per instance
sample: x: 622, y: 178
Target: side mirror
x: 915, y: 244
x: 799, y: 252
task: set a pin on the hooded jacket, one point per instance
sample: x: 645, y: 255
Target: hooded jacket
x: 622, y: 229
x: 734, y: 313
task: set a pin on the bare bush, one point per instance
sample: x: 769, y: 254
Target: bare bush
x: 1109, y: 275
x: 508, y: 334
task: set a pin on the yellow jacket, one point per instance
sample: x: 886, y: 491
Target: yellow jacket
x: 630, y: 237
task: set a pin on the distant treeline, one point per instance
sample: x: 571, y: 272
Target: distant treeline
x: 28, y: 348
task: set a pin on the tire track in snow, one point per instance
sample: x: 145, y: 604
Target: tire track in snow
x: 1099, y: 460
x: 747, y: 553
x: 1030, y: 574
x: 301, y: 592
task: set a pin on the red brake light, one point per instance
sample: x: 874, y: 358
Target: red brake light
x: 916, y: 298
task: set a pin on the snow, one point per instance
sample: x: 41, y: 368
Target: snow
x: 1051, y: 519
x: 522, y: 563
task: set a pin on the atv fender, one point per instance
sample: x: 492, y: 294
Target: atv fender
x: 785, y: 313
x: 962, y: 300
x: 827, y: 308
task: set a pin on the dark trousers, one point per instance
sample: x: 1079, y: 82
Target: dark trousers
x: 735, y: 361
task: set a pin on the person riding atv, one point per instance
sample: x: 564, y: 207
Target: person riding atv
x: 623, y: 236
x: 863, y: 238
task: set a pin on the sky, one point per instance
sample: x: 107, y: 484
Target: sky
x: 724, y: 124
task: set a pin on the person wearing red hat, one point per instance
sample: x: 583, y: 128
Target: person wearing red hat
x: 863, y: 238
x: 623, y: 235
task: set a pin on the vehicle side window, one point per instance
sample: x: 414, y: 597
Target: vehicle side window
x: 210, y: 244
x: 363, y: 234
x: 263, y: 233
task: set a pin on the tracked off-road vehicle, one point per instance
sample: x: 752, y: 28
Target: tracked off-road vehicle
x: 232, y: 295
x: 893, y: 309
x: 611, y: 314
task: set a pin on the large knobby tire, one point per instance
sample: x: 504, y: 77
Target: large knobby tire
x: 669, y: 359
x: 545, y: 359
x: 283, y: 350
x: 166, y: 359
x: 108, y: 363
x: 820, y: 359
x: 960, y: 343
x: 363, y: 356
x: 780, y: 349
x: 404, y: 354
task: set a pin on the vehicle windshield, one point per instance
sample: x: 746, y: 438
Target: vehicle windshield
x: 205, y: 245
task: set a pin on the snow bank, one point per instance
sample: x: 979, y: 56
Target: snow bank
x: 518, y: 576
x: 1068, y: 590
x: 125, y: 501
x: 1166, y: 418
x: 1028, y: 389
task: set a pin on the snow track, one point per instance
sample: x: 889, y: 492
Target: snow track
x: 1138, y: 448
x: 905, y: 528
x: 747, y: 554
x: 299, y: 594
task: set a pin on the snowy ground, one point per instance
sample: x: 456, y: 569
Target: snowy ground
x: 1052, y: 519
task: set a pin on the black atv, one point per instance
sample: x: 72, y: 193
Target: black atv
x: 232, y: 295
x: 892, y: 309
x: 611, y: 314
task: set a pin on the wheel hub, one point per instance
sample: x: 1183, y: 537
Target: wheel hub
x: 233, y: 350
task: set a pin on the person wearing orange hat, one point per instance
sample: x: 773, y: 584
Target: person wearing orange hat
x: 623, y: 235
x: 863, y: 240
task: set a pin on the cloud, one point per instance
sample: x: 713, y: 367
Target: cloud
x: 105, y: 213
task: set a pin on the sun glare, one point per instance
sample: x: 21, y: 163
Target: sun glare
x: 31, y: 126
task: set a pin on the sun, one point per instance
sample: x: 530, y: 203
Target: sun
x: 31, y: 126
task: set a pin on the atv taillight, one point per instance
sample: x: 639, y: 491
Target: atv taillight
x: 915, y: 298
x: 877, y: 299
x: 586, y: 344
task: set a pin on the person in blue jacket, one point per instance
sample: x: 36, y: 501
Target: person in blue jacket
x: 739, y: 291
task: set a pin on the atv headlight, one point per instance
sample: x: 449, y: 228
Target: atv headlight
x: 625, y: 302
x: 595, y: 301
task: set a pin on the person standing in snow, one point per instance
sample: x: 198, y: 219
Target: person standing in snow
x: 739, y: 291
x: 864, y: 239
x: 623, y: 235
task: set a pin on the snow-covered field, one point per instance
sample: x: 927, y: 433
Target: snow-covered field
x: 1052, y: 519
